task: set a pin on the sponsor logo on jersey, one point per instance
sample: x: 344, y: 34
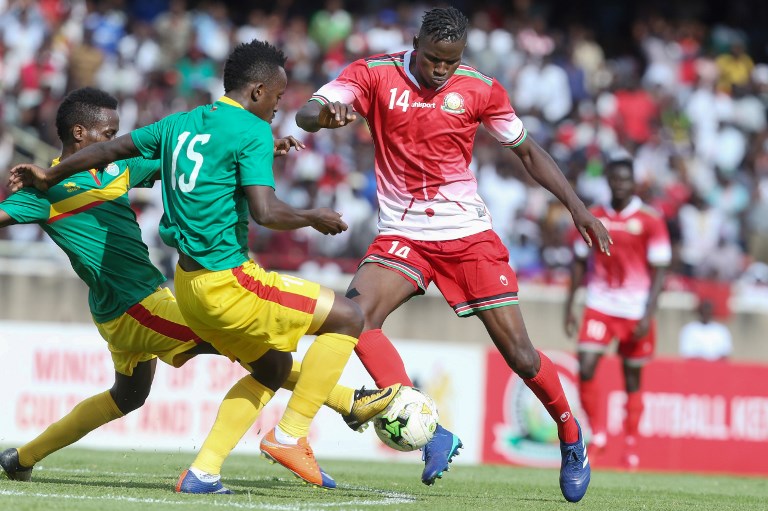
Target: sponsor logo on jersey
x: 420, y: 104
x: 112, y: 169
x: 453, y: 103
x: 70, y: 187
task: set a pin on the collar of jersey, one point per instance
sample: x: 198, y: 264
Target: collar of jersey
x: 634, y: 205
x: 407, y: 67
x: 56, y: 161
x: 230, y: 102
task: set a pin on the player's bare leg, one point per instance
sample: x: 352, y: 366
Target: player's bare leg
x: 379, y: 291
x: 507, y: 330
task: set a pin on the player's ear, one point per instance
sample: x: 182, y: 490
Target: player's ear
x: 78, y: 132
x: 415, y: 42
x: 257, y: 90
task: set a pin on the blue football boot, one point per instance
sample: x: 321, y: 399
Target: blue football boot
x: 438, y: 453
x: 190, y: 483
x: 575, y: 471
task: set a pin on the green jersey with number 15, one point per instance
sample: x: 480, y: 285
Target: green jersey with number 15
x: 207, y: 155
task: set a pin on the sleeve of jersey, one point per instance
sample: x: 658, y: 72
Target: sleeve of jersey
x: 659, y: 246
x: 500, y: 120
x: 256, y: 156
x: 27, y: 206
x: 141, y: 172
x: 352, y: 86
x: 147, y: 139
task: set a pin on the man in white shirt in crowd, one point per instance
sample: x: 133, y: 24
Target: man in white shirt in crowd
x: 705, y: 339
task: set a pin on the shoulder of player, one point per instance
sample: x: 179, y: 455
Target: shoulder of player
x: 650, y: 211
x: 467, y: 72
x: 384, y: 60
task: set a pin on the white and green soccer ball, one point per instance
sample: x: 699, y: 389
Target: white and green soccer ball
x: 409, y: 422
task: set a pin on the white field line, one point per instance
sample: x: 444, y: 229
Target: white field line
x: 387, y: 497
x: 215, y: 502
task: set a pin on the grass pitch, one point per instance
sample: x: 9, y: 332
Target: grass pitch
x: 84, y: 480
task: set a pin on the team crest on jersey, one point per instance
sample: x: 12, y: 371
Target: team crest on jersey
x: 71, y: 187
x: 453, y: 103
x: 112, y: 169
x: 634, y: 226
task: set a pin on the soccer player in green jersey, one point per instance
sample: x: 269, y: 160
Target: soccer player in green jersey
x: 216, y: 165
x: 90, y: 218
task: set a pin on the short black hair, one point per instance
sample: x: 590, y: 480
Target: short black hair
x: 82, y: 106
x: 444, y: 24
x: 622, y: 161
x: 257, y: 61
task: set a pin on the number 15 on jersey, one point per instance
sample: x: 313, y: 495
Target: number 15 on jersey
x: 187, y: 185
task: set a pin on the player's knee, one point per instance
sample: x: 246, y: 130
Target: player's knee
x: 272, y: 369
x: 346, y: 318
x: 130, y: 398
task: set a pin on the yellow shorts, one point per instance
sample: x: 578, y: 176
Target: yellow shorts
x: 246, y: 311
x: 152, y: 328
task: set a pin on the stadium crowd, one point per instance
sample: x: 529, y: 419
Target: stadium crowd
x: 688, y: 102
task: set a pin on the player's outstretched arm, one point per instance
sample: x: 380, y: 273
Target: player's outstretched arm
x: 269, y: 211
x: 545, y: 171
x: 93, y: 156
x: 313, y: 116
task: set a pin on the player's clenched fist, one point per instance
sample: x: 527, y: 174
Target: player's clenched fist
x: 336, y: 115
x: 328, y: 221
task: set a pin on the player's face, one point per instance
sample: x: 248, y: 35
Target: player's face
x: 270, y: 96
x: 105, y: 128
x: 436, y: 61
x: 621, y: 181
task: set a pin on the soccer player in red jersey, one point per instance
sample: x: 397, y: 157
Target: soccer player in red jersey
x: 424, y: 108
x: 621, y: 301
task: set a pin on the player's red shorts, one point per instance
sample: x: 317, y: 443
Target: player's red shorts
x: 598, y: 330
x: 472, y: 273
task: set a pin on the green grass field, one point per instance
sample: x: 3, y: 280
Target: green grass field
x: 84, y: 480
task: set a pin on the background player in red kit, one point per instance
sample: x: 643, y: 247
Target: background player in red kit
x: 621, y: 302
x: 423, y: 108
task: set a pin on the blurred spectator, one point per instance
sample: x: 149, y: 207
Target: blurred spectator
x: 701, y: 228
x: 735, y: 67
x: 84, y: 62
x: 331, y: 25
x: 704, y: 338
x: 173, y: 30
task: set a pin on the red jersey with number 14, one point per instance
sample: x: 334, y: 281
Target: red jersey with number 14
x: 423, y: 140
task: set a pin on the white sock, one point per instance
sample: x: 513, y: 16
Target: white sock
x: 204, y: 476
x: 284, y: 438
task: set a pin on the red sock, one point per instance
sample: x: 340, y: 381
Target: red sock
x: 547, y: 387
x: 593, y: 402
x: 381, y: 359
x: 634, y: 412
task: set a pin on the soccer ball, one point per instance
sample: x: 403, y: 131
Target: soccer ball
x: 409, y: 421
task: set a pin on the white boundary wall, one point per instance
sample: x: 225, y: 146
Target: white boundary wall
x: 49, y: 367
